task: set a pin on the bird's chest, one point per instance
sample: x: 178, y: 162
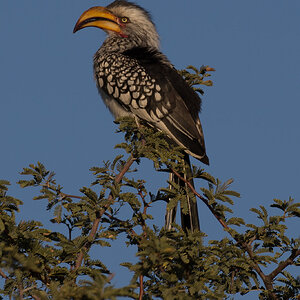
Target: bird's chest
x: 124, y: 84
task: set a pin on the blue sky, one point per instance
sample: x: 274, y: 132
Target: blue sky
x: 51, y: 111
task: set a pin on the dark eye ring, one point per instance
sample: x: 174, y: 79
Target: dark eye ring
x: 124, y: 20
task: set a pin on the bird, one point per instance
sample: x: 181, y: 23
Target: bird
x: 136, y: 79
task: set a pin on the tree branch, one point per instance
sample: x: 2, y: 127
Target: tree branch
x: 63, y: 195
x: 282, y: 265
x: 141, y: 287
x: 246, y: 246
x: 99, y: 214
x: 267, y: 281
x: 222, y: 222
x: 3, y: 274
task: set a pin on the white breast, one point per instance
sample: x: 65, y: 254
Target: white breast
x: 115, y: 108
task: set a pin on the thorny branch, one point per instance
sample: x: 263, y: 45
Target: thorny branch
x: 134, y: 234
x: 146, y: 206
x: 222, y: 222
x: 267, y: 279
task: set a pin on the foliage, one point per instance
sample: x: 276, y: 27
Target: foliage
x: 40, y: 264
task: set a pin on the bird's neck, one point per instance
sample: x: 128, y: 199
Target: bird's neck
x: 116, y: 44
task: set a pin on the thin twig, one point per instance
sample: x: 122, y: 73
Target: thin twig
x: 63, y: 195
x: 125, y: 169
x: 90, y: 238
x: 252, y: 240
x: 110, y: 277
x: 29, y: 288
x: 120, y: 221
x: 232, y: 282
x: 145, y: 203
x: 141, y: 287
x: 3, y: 274
x: 21, y: 291
x: 146, y: 206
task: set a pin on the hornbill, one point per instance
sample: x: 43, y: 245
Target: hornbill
x: 135, y: 79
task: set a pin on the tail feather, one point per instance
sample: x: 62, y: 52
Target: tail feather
x: 190, y: 220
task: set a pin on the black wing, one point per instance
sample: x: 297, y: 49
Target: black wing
x: 145, y: 83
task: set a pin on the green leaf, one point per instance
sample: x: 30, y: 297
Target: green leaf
x: 236, y: 221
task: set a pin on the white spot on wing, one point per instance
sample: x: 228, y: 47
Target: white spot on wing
x: 135, y: 95
x: 101, y: 83
x: 116, y: 93
x: 157, y: 96
x: 153, y: 116
x: 125, y: 98
x: 134, y: 104
x: 110, y: 89
x: 159, y: 113
x: 143, y: 102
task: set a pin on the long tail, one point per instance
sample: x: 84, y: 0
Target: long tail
x: 189, y: 221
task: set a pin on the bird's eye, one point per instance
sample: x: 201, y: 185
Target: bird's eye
x: 124, y: 20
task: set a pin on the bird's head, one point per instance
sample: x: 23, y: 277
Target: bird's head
x: 124, y: 20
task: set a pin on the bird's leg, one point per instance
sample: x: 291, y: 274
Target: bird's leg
x: 170, y: 213
x: 191, y: 219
